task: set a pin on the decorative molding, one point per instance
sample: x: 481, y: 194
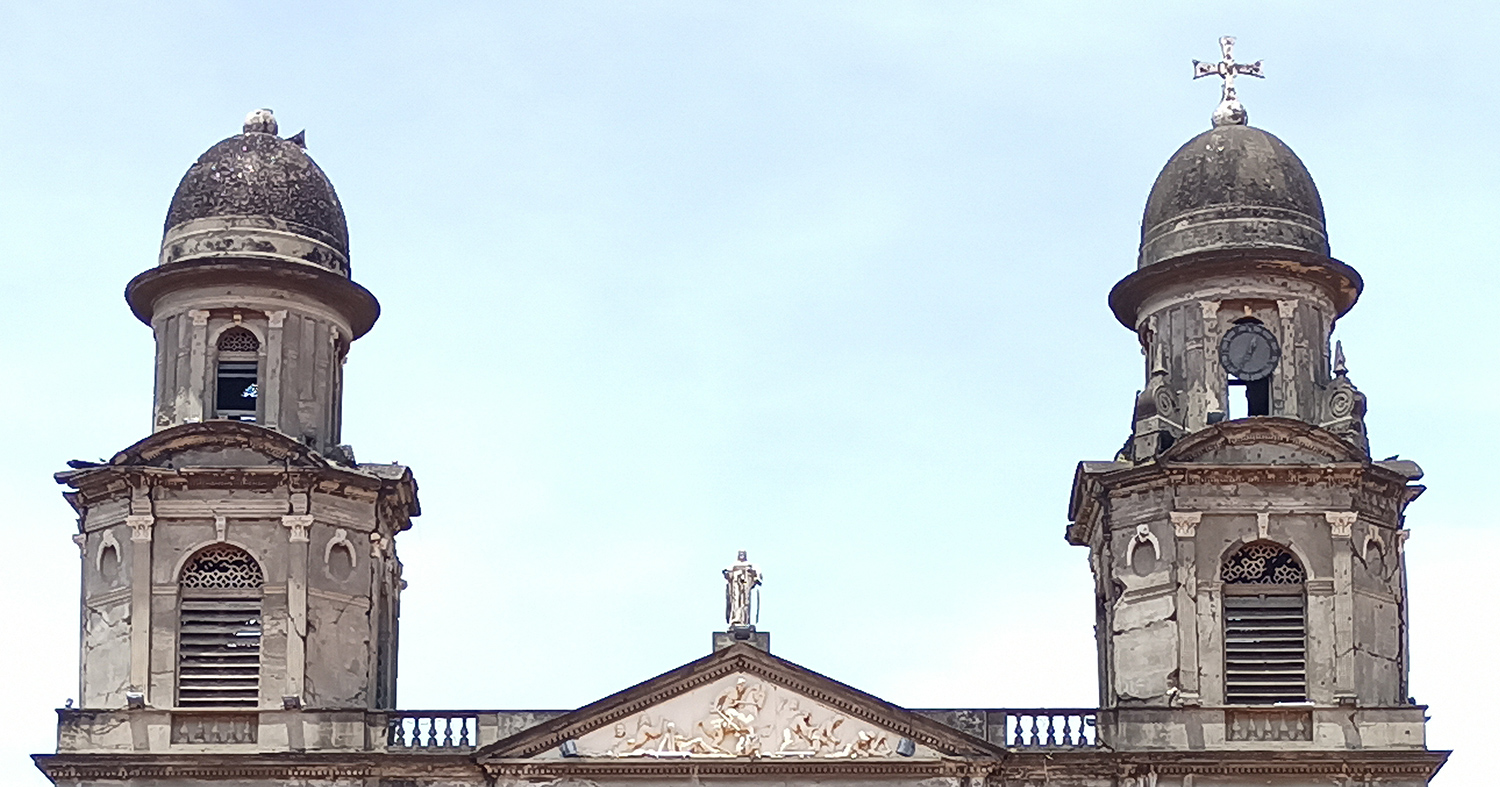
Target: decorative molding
x: 1268, y: 725
x: 1372, y: 536
x: 107, y: 540
x: 216, y: 728
x: 140, y: 527
x: 81, y: 539
x: 199, y: 317
x: 297, y: 525
x: 1341, y: 523
x: 1401, y: 536
x: 1143, y: 535
x: 221, y: 528
x: 1185, y: 523
x: 276, y: 318
x: 340, y: 536
x: 1263, y: 525
x: 1287, y: 309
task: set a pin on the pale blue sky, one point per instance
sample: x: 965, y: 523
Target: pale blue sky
x: 823, y: 281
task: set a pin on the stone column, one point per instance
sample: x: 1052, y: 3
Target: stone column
x: 1185, y: 525
x: 196, y: 387
x: 271, y: 396
x: 1286, y: 383
x: 1206, y: 393
x: 140, y: 600
x: 1341, y: 525
x: 296, y: 601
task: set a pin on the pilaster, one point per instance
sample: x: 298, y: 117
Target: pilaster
x: 297, y: 526
x: 1185, y: 528
x: 271, y: 397
x: 196, y: 389
x: 141, y: 526
x: 1341, y: 527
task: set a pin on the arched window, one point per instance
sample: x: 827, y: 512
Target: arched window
x: 218, y: 629
x: 1265, y: 626
x: 237, y: 382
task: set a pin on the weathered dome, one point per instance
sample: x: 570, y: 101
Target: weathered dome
x: 257, y: 195
x: 1232, y: 187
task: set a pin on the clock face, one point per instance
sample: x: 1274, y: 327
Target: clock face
x: 1249, y: 351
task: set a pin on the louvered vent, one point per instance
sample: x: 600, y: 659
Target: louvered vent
x: 219, y: 653
x: 1265, y: 649
x: 219, y: 628
x: 1265, y: 626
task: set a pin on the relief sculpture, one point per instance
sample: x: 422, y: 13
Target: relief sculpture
x: 739, y: 717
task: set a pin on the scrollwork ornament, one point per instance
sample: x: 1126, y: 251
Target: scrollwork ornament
x: 1341, y: 403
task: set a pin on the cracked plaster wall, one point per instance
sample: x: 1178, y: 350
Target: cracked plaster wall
x: 1153, y: 639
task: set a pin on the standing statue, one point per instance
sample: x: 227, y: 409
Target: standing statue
x: 741, y: 579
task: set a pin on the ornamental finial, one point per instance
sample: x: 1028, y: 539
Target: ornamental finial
x: 1230, y: 111
x: 262, y: 121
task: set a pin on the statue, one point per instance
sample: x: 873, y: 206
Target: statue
x: 741, y: 580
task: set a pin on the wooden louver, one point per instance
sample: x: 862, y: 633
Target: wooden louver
x: 1265, y: 649
x: 218, y: 650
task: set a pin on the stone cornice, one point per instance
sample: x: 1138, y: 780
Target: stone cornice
x: 1415, y: 764
x: 289, y: 765
x: 1091, y: 488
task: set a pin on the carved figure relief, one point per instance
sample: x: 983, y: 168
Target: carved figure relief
x: 742, y: 716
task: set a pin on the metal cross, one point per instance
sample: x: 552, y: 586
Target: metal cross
x: 1230, y: 111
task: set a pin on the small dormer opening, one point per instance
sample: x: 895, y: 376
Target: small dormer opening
x: 237, y: 378
x: 1249, y: 354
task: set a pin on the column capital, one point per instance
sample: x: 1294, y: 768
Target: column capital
x: 298, y: 525
x: 140, y: 526
x: 1185, y: 523
x: 1341, y: 522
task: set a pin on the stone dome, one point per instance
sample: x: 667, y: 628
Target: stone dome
x: 260, y: 196
x: 1230, y: 188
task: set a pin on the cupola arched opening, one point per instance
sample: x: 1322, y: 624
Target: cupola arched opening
x: 237, y: 375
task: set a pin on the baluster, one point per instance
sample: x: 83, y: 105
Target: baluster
x: 1051, y: 734
x: 432, y: 733
x: 463, y: 732
x: 1036, y: 731
x: 1067, y: 731
x: 448, y: 733
x: 396, y: 732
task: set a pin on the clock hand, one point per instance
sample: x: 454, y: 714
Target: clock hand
x: 1250, y: 350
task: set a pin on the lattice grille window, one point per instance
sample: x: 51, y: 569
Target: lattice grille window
x: 238, y: 340
x: 1265, y: 626
x: 219, y: 630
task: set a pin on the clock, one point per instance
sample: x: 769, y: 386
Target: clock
x: 1249, y: 351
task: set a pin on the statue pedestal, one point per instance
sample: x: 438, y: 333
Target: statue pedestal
x: 745, y: 634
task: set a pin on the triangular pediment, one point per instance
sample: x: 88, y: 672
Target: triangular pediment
x: 1265, y: 440
x: 739, y: 703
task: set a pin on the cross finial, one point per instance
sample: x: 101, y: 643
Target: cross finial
x: 1230, y: 111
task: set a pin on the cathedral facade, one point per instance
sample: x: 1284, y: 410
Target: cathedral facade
x: 241, y: 586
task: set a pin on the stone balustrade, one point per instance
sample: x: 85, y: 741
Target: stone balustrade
x: 459, y: 731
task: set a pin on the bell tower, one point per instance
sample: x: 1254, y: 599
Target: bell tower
x: 1247, y: 553
x: 238, y: 560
